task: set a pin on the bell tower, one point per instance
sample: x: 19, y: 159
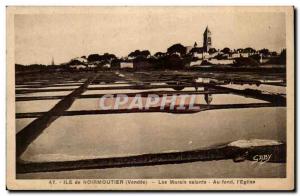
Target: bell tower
x: 206, y: 40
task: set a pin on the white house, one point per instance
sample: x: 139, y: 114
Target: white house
x: 195, y: 63
x: 198, y: 55
x: 126, y: 65
x: 235, y: 55
x: 221, y: 62
x: 91, y: 66
x: 78, y: 67
x: 106, y: 65
x: 212, y: 55
x: 203, y: 55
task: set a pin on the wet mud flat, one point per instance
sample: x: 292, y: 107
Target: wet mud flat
x: 94, y: 85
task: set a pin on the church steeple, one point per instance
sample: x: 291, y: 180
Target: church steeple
x: 207, y: 42
x: 52, y: 61
x: 207, y: 30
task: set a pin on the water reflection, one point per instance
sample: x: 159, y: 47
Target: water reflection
x: 271, y: 86
x: 207, y: 96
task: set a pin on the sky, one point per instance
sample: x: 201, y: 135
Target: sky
x: 39, y: 37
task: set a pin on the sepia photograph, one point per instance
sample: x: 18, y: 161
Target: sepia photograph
x: 150, y: 98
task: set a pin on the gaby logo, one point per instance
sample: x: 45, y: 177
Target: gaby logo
x: 174, y: 102
x: 262, y: 158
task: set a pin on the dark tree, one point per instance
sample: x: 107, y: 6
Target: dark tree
x: 212, y: 50
x: 174, y: 62
x: 108, y: 57
x: 75, y: 62
x: 94, y: 57
x: 282, y: 57
x: 240, y: 50
x: 115, y: 64
x: 249, y: 50
x: 159, y: 54
x: 105, y: 57
x: 177, y: 48
x: 264, y: 51
x: 134, y: 54
x: 274, y: 53
x: 226, y: 50
x: 139, y: 59
x: 145, y: 53
x: 138, y: 53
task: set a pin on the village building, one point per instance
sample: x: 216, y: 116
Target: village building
x: 196, y: 63
x: 221, y: 62
x: 208, y: 53
x: 78, y: 67
x: 91, y: 66
x: 126, y: 65
x: 240, y: 52
x: 106, y: 65
x: 203, y: 52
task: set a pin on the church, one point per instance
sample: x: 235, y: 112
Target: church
x: 206, y: 49
x: 207, y: 40
x: 207, y: 53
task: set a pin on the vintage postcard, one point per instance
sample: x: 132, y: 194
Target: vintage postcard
x: 150, y: 98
